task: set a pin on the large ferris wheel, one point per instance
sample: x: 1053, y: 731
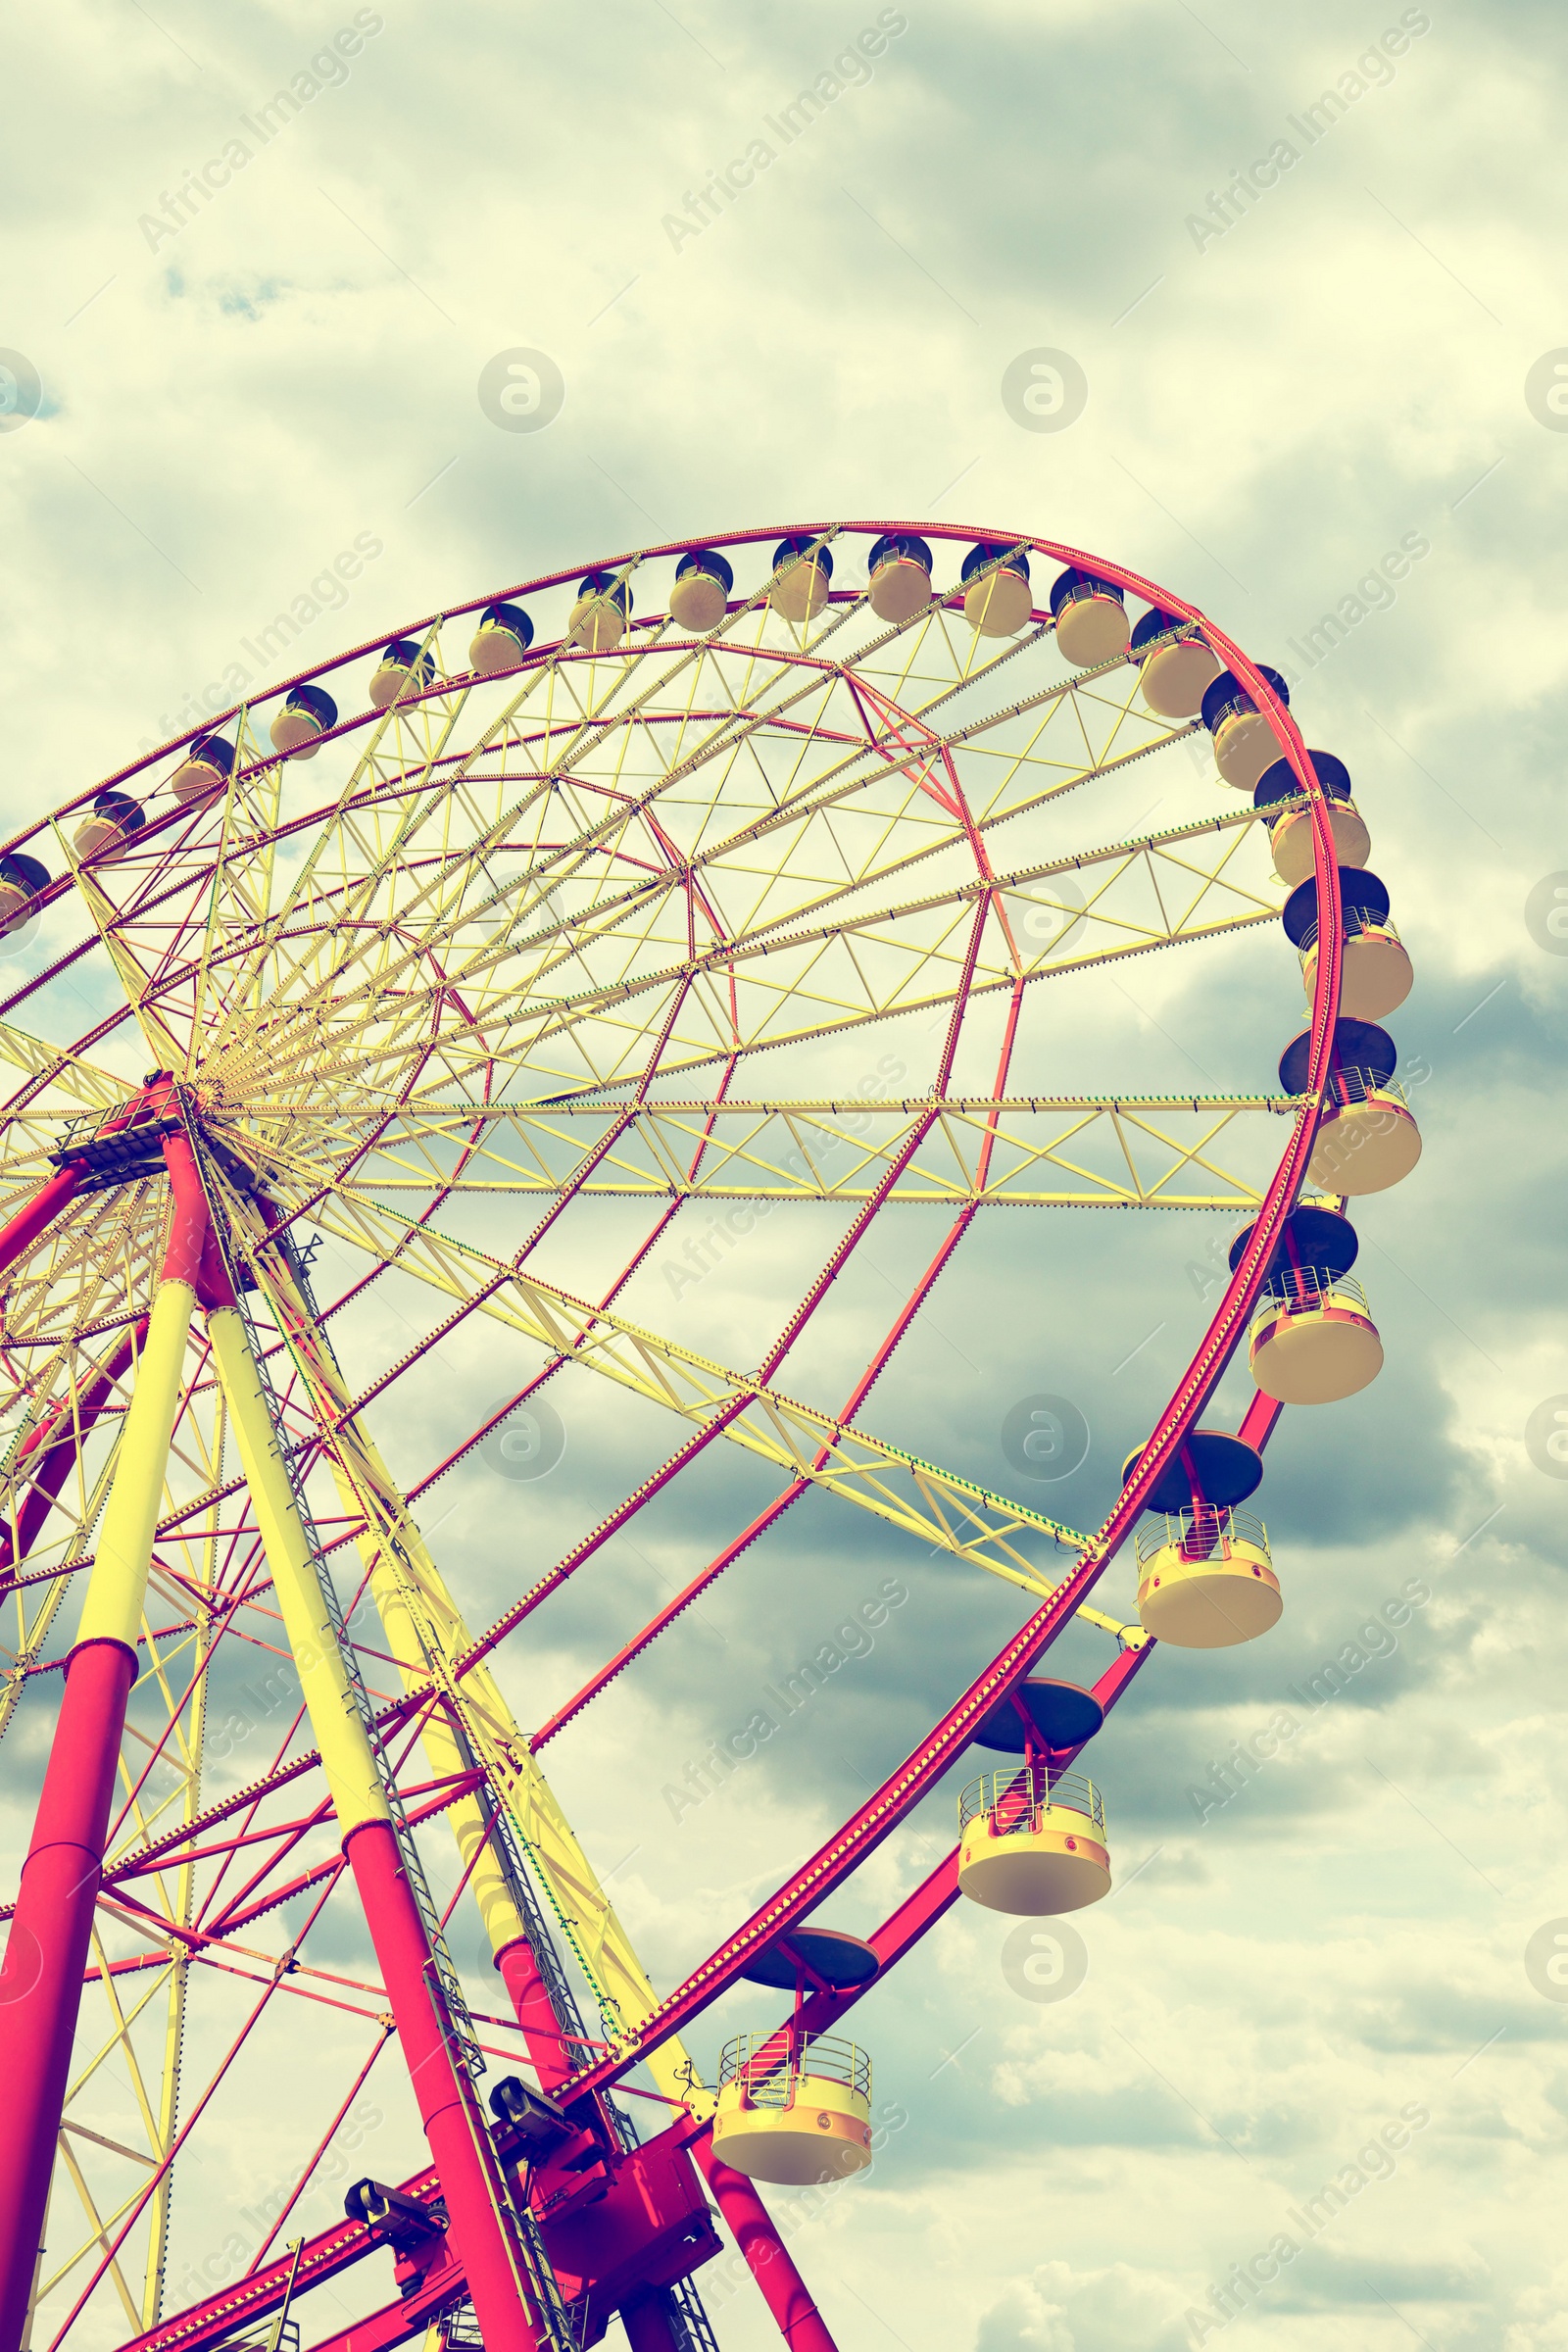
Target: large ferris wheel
x: 559, y: 917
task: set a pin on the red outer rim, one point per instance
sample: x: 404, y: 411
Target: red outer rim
x: 1055, y: 549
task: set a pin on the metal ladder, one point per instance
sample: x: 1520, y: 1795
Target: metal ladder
x: 457, y: 2025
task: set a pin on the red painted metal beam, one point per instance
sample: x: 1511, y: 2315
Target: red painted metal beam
x: 46, y: 1952
x: 647, y: 2323
x: 529, y: 1996
x: 1259, y: 1419
x: 38, y: 1215
x: 481, y: 2224
x: 52, y: 1448
x: 768, y: 2257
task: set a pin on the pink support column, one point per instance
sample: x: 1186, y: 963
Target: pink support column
x: 784, y: 2290
x: 646, y: 2320
x: 530, y: 2002
x: 40, y: 1982
x: 479, y: 2226
x: 41, y: 1212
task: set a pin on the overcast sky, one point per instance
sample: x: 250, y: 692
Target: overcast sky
x: 242, y: 336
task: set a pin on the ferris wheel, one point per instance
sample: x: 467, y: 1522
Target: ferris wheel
x: 560, y: 915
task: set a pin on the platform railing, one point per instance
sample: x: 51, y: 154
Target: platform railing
x: 1240, y: 706
x: 267, y: 2339
x: 1014, y: 1800
x: 1355, y: 921
x: 1299, y: 800
x: 769, y: 2066
x: 1360, y: 1086
x: 1306, y: 1289
x: 1210, y: 1532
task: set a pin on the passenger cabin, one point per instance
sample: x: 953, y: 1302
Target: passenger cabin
x: 1366, y: 1138
x: 1091, y: 616
x: 20, y: 879
x: 700, y: 597
x: 899, y: 568
x: 499, y: 642
x: 1245, y: 742
x: 602, y: 613
x: 404, y: 671
x: 112, y: 822
x: 1206, y: 1579
x: 305, y: 718
x: 794, y: 2106
x: 802, y: 570
x: 206, y: 768
x: 1290, y: 833
x: 997, y: 597
x: 1175, y: 665
x: 1375, y: 975
x: 1032, y: 1838
x: 1312, y: 1339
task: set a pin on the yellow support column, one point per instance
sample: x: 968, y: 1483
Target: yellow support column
x: 425, y: 1632
x: 347, y: 1756
x: 116, y: 1588
x: 508, y: 2300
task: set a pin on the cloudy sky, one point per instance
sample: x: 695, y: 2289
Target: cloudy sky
x: 212, y: 396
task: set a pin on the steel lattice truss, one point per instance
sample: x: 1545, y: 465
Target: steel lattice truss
x: 615, y: 928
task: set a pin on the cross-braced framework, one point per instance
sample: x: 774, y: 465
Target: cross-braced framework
x: 513, y: 959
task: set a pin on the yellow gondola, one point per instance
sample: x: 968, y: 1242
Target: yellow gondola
x: 1290, y: 831
x: 1245, y: 742
x: 700, y: 598
x: 794, y: 2110
x: 206, y: 768
x: 113, y: 823
x: 1091, y: 617
x: 1206, y: 1579
x: 1174, y: 675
